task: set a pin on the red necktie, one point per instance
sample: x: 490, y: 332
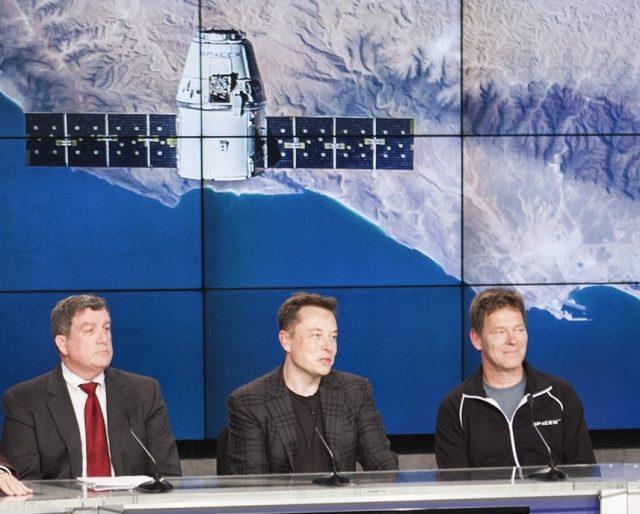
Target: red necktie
x: 98, y: 463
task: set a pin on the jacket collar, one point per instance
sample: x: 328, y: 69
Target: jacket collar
x: 535, y: 381
x: 119, y: 419
x: 279, y: 406
x: 64, y: 417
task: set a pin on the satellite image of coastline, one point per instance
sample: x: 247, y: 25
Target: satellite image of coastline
x: 526, y: 171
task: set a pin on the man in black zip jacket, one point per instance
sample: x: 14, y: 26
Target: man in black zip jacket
x: 487, y: 421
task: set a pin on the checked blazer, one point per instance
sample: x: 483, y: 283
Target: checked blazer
x: 262, y: 425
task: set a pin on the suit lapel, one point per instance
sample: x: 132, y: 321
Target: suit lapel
x: 117, y: 421
x: 332, y: 407
x: 64, y: 417
x: 279, y: 405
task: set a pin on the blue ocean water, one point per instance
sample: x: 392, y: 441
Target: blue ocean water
x: 61, y: 229
x: 304, y: 240
x: 599, y: 357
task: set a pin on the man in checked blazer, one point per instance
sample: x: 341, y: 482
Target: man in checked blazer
x: 44, y: 432
x: 280, y: 422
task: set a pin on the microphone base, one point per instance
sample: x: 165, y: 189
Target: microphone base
x: 157, y: 485
x: 548, y: 474
x: 333, y: 480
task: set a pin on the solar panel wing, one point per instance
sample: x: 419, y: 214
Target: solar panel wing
x: 150, y: 140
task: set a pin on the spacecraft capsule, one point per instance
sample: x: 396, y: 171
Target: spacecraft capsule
x: 221, y: 103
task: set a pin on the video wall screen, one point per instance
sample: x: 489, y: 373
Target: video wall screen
x: 197, y: 162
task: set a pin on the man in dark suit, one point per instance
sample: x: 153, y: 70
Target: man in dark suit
x: 44, y: 433
x: 280, y: 422
x: 9, y: 484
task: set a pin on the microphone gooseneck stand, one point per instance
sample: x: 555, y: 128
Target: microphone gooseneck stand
x: 157, y: 484
x: 551, y: 473
x: 335, y: 478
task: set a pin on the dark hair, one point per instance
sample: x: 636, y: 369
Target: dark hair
x: 68, y: 308
x: 491, y: 300
x: 288, y: 311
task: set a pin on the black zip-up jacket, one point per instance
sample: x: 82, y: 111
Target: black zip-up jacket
x: 472, y: 431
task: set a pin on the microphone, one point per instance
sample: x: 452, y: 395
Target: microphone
x: 158, y: 484
x: 335, y: 478
x: 551, y: 473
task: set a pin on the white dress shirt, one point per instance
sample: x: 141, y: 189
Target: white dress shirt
x: 78, y: 400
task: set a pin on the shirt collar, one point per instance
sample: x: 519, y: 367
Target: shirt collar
x: 74, y: 380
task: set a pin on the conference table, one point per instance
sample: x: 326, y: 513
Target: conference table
x: 605, y: 488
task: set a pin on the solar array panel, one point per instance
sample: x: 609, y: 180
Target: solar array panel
x: 149, y: 141
x: 101, y: 140
x: 343, y: 143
